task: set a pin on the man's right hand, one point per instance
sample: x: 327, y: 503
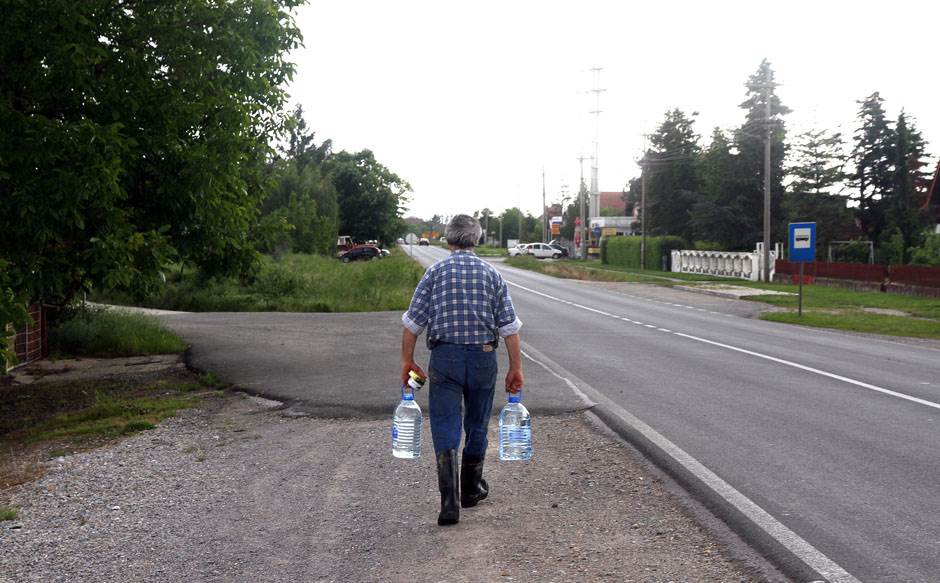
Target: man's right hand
x: 514, y: 380
x: 408, y: 366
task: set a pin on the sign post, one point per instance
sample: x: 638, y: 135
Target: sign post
x: 411, y: 238
x: 802, y: 244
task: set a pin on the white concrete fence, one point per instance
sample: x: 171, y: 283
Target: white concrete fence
x: 742, y: 265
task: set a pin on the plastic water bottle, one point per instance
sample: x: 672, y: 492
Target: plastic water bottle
x: 406, y: 423
x: 515, y: 430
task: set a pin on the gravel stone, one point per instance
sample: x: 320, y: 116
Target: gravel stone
x: 234, y: 492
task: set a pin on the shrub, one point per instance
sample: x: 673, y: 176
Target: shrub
x: 625, y: 251
x: 928, y: 253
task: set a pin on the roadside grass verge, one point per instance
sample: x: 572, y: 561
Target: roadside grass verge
x: 490, y: 251
x: 91, y: 409
x: 596, y: 271
x: 829, y: 298
x: 109, y: 333
x: 294, y: 283
x: 856, y: 321
x: 47, y: 419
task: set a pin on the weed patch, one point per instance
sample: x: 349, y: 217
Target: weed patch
x: 110, y: 333
x: 7, y: 513
x: 294, y: 283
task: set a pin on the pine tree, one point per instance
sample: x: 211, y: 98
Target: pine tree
x: 715, y: 215
x: 749, y: 167
x: 873, y: 156
x: 672, y: 180
x: 903, y: 214
x: 815, y: 191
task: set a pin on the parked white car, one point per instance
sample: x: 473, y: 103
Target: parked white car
x: 543, y: 251
x: 517, y: 250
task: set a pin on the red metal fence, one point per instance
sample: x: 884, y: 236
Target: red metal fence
x: 899, y: 274
x: 915, y: 275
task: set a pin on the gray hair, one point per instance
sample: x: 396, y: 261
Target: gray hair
x: 463, y: 231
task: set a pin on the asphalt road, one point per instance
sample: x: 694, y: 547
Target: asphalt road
x: 834, y: 435
x: 332, y: 365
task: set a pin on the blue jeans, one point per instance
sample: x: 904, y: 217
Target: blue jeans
x: 461, y: 373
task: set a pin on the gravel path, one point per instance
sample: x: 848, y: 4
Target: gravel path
x: 233, y: 492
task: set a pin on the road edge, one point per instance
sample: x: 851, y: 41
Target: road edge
x: 792, y: 555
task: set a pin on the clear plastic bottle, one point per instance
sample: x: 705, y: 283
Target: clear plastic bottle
x: 515, y: 430
x: 406, y: 423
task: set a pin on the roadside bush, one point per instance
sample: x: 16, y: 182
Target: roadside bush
x: 708, y: 246
x: 927, y: 253
x: 106, y: 333
x: 625, y: 251
x: 296, y: 283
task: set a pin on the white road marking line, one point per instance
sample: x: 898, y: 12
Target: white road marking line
x: 664, y: 330
x: 830, y: 375
x: 803, y: 367
x: 773, y: 527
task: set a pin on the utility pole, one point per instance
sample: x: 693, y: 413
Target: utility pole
x: 582, y: 191
x: 596, y: 112
x: 544, y: 211
x: 767, y: 114
x: 643, y: 211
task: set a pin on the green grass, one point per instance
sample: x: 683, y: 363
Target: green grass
x: 830, y: 298
x: 295, y: 283
x: 107, y: 333
x: 81, y: 411
x: 596, y: 271
x: 490, y: 251
x: 8, y: 513
x: 861, y: 322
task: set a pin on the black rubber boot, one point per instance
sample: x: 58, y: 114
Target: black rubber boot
x: 473, y: 487
x: 448, y: 484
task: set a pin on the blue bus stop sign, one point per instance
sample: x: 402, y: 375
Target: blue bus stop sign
x: 802, y: 242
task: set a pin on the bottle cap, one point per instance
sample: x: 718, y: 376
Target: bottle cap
x: 415, y: 380
x: 515, y: 397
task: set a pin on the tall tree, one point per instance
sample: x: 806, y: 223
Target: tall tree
x: 873, y: 156
x: 135, y: 133
x: 749, y: 162
x: 903, y: 214
x: 717, y: 215
x: 302, y: 199
x: 371, y: 197
x: 818, y: 178
x: 672, y: 179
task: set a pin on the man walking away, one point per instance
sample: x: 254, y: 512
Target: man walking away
x: 464, y: 305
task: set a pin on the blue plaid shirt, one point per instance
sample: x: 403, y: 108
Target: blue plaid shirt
x: 462, y: 300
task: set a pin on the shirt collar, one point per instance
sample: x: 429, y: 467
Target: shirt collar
x: 462, y: 252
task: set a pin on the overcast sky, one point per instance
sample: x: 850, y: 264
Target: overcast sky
x: 469, y: 101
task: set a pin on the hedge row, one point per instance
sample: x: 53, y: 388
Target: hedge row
x: 625, y: 251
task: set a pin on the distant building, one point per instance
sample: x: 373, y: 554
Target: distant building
x: 613, y: 201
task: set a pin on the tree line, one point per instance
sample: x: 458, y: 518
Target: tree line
x: 138, y: 135
x: 866, y: 187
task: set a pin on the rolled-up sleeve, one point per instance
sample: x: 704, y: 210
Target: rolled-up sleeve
x: 416, y: 318
x: 507, y: 323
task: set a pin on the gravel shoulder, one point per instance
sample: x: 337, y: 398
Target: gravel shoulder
x: 236, y: 491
